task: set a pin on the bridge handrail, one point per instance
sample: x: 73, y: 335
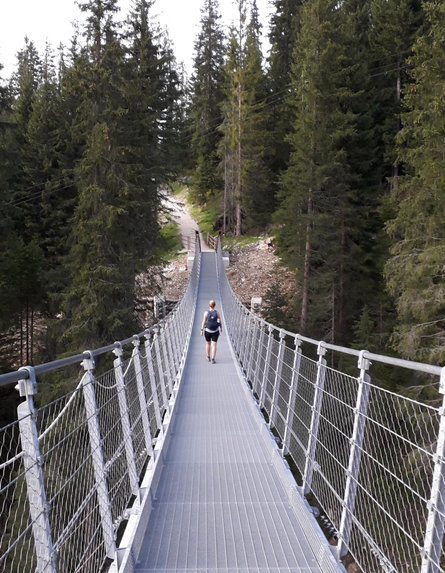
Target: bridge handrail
x: 373, y: 460
x: 71, y: 470
x: 382, y: 358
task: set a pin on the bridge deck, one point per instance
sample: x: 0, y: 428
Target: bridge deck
x: 220, y: 504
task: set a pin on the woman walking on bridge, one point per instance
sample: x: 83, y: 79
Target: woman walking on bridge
x: 211, y: 329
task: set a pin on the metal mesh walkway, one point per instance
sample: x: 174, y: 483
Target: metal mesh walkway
x: 220, y: 504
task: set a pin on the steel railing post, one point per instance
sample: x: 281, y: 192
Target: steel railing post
x: 433, y: 542
x: 142, y: 396
x: 165, y: 354
x: 174, y: 338
x: 250, y: 360
x: 241, y: 335
x: 277, y: 380
x: 100, y: 476
x: 127, y: 433
x: 33, y: 464
x: 256, y: 376
x: 352, y: 473
x: 247, y: 322
x: 315, y: 420
x: 152, y: 377
x: 161, y: 374
x: 171, y: 352
x: 292, y: 395
x: 236, y: 318
x: 266, y: 365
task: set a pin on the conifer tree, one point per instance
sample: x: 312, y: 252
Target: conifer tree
x: 9, y: 306
x: 416, y: 271
x: 206, y: 102
x: 41, y: 165
x: 244, y: 146
x: 283, y: 35
x: 99, y: 300
x: 364, y: 243
x: 257, y: 198
x: 24, y: 85
x: 393, y: 26
x: 316, y: 185
x: 231, y: 145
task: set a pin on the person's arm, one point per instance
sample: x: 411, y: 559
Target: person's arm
x: 203, y: 323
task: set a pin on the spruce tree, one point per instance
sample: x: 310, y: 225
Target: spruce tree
x: 257, y: 198
x: 99, y: 300
x: 312, y: 216
x: 393, y: 26
x: 416, y: 272
x: 206, y: 103
x: 24, y: 85
x: 232, y: 127
x: 283, y: 35
x: 248, y: 197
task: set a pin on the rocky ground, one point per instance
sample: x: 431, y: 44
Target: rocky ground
x: 252, y: 270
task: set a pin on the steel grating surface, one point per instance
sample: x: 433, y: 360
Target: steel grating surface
x: 220, y: 504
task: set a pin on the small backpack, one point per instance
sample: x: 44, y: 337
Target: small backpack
x: 212, y: 320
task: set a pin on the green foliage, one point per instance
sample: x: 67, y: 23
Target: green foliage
x: 206, y: 215
x: 277, y: 309
x: 206, y: 100
x: 169, y: 241
x: 283, y: 36
x: 415, y: 272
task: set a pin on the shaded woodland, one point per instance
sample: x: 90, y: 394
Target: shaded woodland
x: 333, y: 142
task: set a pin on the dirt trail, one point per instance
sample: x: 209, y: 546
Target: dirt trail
x: 186, y: 224
x: 253, y: 268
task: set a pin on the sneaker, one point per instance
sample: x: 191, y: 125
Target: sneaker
x: 213, y: 361
x: 208, y: 358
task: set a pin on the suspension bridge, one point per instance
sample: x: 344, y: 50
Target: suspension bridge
x: 271, y: 460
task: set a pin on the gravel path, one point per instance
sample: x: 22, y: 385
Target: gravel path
x: 186, y: 225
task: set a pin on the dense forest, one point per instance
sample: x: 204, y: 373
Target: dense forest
x: 334, y: 143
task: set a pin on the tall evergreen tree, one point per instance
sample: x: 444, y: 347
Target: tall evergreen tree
x: 257, y: 197
x: 283, y: 35
x: 365, y: 244
x: 416, y: 271
x: 315, y: 188
x: 99, y: 301
x: 206, y: 102
x: 244, y: 145
x: 231, y: 145
x: 394, y: 24
x: 24, y: 85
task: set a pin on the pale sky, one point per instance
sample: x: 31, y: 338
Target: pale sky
x: 51, y: 20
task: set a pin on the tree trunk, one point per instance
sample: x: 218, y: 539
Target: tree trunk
x: 239, y: 182
x: 307, y: 266
x: 27, y: 331
x: 395, y: 168
x: 21, y: 338
x: 341, y: 282
x: 32, y: 338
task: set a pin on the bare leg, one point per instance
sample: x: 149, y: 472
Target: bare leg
x: 208, y: 349
x: 213, y: 350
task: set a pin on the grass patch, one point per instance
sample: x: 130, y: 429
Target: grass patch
x: 170, y: 241
x: 231, y: 243
x: 178, y: 189
x: 205, y: 216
